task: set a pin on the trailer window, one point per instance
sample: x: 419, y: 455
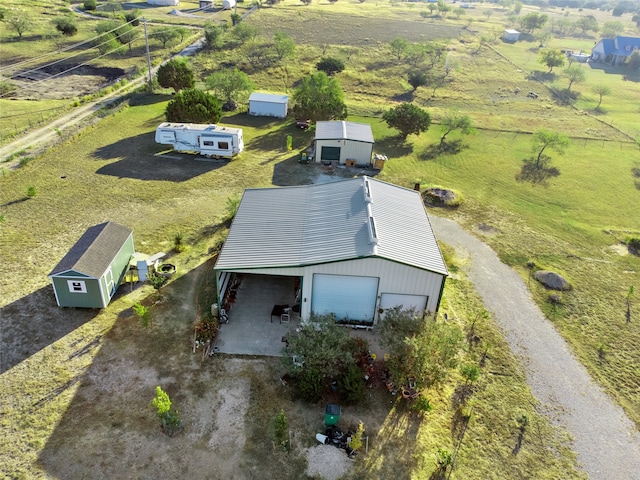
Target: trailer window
x: 223, y: 145
x: 77, y: 286
x: 208, y: 143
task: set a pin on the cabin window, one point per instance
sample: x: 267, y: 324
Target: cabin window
x: 77, y: 286
x: 208, y: 143
x: 223, y: 145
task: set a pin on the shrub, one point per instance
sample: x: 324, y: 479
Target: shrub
x: 7, y: 88
x: 422, y: 405
x: 281, y: 431
x: 310, y: 384
x: 178, y: 244
x: 90, y: 5
x: 32, y: 191
x: 170, y: 419
x: 634, y: 242
x: 144, y: 314
x: 66, y: 26
x: 352, y: 384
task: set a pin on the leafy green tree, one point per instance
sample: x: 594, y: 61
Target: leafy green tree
x: 113, y: 8
x: 443, y: 8
x: 330, y: 65
x: 417, y: 79
x: 107, y: 36
x: 435, y: 51
x: 601, y: 90
x: 243, y: 32
x: 90, y: 5
x: 546, y: 139
x: 166, y: 35
x: 455, y: 121
x: 551, y: 58
x: 126, y: 34
x: 517, y: 7
x: 398, y: 47
x: 612, y: 29
x: 408, y: 119
x: 176, y: 74
x: 284, y: 45
x: 533, y: 21
x: 575, y: 74
x: 213, y: 36
x: 425, y: 349
x: 432, y: 7
x: 133, y: 17
x: 193, y: 106
x: 230, y: 85
x: 66, y: 26
x: 182, y: 32
x: 634, y: 61
x: 416, y: 53
x: 319, y: 97
x: 458, y: 12
x: 19, y: 23
x: 587, y: 23
x: 323, y: 345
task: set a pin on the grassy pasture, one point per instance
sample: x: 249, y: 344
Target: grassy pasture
x: 120, y: 179
x: 575, y: 226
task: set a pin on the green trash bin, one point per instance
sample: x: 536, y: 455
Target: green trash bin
x: 332, y: 414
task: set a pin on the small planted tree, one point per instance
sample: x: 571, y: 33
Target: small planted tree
x: 575, y: 74
x: 357, y: 438
x: 169, y: 418
x: 143, y: 313
x: 455, y: 121
x: 281, y: 431
x: 551, y: 58
x: 601, y: 90
x: 231, y: 86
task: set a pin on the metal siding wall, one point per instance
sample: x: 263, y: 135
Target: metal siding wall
x: 394, y: 278
x: 359, y: 151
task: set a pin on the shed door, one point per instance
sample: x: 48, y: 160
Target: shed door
x: 330, y: 153
x: 348, y: 297
x: 390, y: 300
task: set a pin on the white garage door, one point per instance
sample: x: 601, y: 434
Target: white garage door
x: 348, y: 297
x: 390, y: 300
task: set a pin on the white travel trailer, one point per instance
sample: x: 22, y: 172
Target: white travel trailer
x: 208, y: 140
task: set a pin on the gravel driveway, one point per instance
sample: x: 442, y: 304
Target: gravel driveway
x: 606, y: 441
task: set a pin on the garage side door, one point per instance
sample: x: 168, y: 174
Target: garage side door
x: 390, y: 300
x: 330, y: 153
x: 348, y: 297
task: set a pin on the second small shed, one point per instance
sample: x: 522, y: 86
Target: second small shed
x: 268, y: 105
x: 511, y: 35
x: 90, y: 273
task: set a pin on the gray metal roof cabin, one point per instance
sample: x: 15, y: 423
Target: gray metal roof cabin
x: 358, y: 246
x: 90, y: 273
x: 344, y: 143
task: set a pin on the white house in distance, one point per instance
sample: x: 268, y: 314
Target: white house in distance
x: 164, y: 3
x: 343, y: 143
x: 355, y: 248
x: 615, y: 51
x: 511, y: 35
x: 268, y: 104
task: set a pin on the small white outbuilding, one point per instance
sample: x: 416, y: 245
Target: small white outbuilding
x: 511, y: 35
x: 164, y: 3
x: 228, y: 4
x: 268, y: 104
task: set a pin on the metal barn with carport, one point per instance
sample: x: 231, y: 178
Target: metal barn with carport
x: 90, y: 273
x: 343, y: 143
x: 268, y: 105
x: 356, y: 248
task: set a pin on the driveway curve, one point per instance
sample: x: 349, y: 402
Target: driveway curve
x: 605, y: 440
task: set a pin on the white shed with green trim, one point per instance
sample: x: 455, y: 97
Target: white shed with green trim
x: 90, y: 273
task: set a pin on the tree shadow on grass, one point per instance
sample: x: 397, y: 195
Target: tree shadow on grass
x: 145, y: 99
x: 536, y: 174
x: 433, y: 151
x: 404, y: 97
x: 394, y: 146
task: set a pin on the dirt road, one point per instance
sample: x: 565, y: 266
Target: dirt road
x: 606, y: 441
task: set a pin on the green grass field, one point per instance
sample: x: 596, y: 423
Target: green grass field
x: 575, y: 225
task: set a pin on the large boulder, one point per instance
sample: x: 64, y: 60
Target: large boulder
x: 552, y: 280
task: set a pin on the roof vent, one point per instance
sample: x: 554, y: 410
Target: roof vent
x: 373, y: 234
x: 367, y: 191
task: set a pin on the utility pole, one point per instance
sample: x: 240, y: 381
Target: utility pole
x: 146, y: 41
